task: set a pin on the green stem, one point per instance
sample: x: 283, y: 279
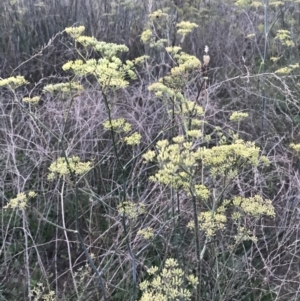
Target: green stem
x: 198, y: 255
x: 134, y: 280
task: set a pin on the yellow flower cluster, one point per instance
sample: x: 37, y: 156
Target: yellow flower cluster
x: 160, y: 90
x: 110, y: 50
x: 63, y: 87
x: 75, y: 32
x: 64, y: 167
x: 247, y: 3
x: 109, y: 70
x: 83, y: 272
x: 118, y: 125
x: 287, y: 70
x: 179, y: 160
x: 79, y: 67
x: 185, y: 27
x: 244, y: 234
x: 146, y: 233
x: 238, y: 116
x: 276, y: 3
x: 131, y: 209
x: 32, y: 100
x: 274, y: 59
x: 202, y: 192
x: 106, y: 49
x: 170, y: 85
x: 186, y: 62
x: 149, y: 296
x: 236, y: 216
x: 146, y: 36
x: 158, y: 14
x: 173, y: 49
x: 283, y: 71
x: 133, y: 139
x: 224, y: 158
x: 194, y: 133
x: 210, y: 222
x: 284, y: 36
x: 254, y: 206
x: 169, y: 285
x: 174, y: 160
x: 295, y: 147
x: 39, y: 293
x: 177, y: 139
x: 86, y: 41
x: 140, y: 59
x: 178, y: 163
x: 20, y: 201
x: 13, y: 82
x: 197, y: 123
x: 159, y: 44
x: 191, y: 107
x: 112, y: 72
x: 149, y: 155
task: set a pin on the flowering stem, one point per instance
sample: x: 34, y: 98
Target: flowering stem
x: 197, y: 243
x: 67, y: 239
x: 263, y: 65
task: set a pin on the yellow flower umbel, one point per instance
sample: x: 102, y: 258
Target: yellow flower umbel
x: 238, y: 116
x: 13, y: 82
x: 160, y: 90
x: 244, y: 234
x: 75, y: 32
x: 121, y: 126
x: 185, y: 27
x: 186, y: 62
x: 146, y: 36
x: 284, y: 36
x: 178, y: 161
x: 210, y: 222
x: 295, y: 147
x: 170, y: 285
x: 20, y: 201
x: 254, y: 206
x: 39, y: 292
x: 131, y: 209
x: 32, y: 100
x: 171, y: 85
x: 287, y: 70
x: 223, y: 159
x: 175, y: 160
x: 133, y: 139
x: 109, y: 70
x: 117, y: 125
x: 158, y: 15
x: 146, y: 233
x: 64, y: 167
x: 86, y: 41
x: 64, y: 88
